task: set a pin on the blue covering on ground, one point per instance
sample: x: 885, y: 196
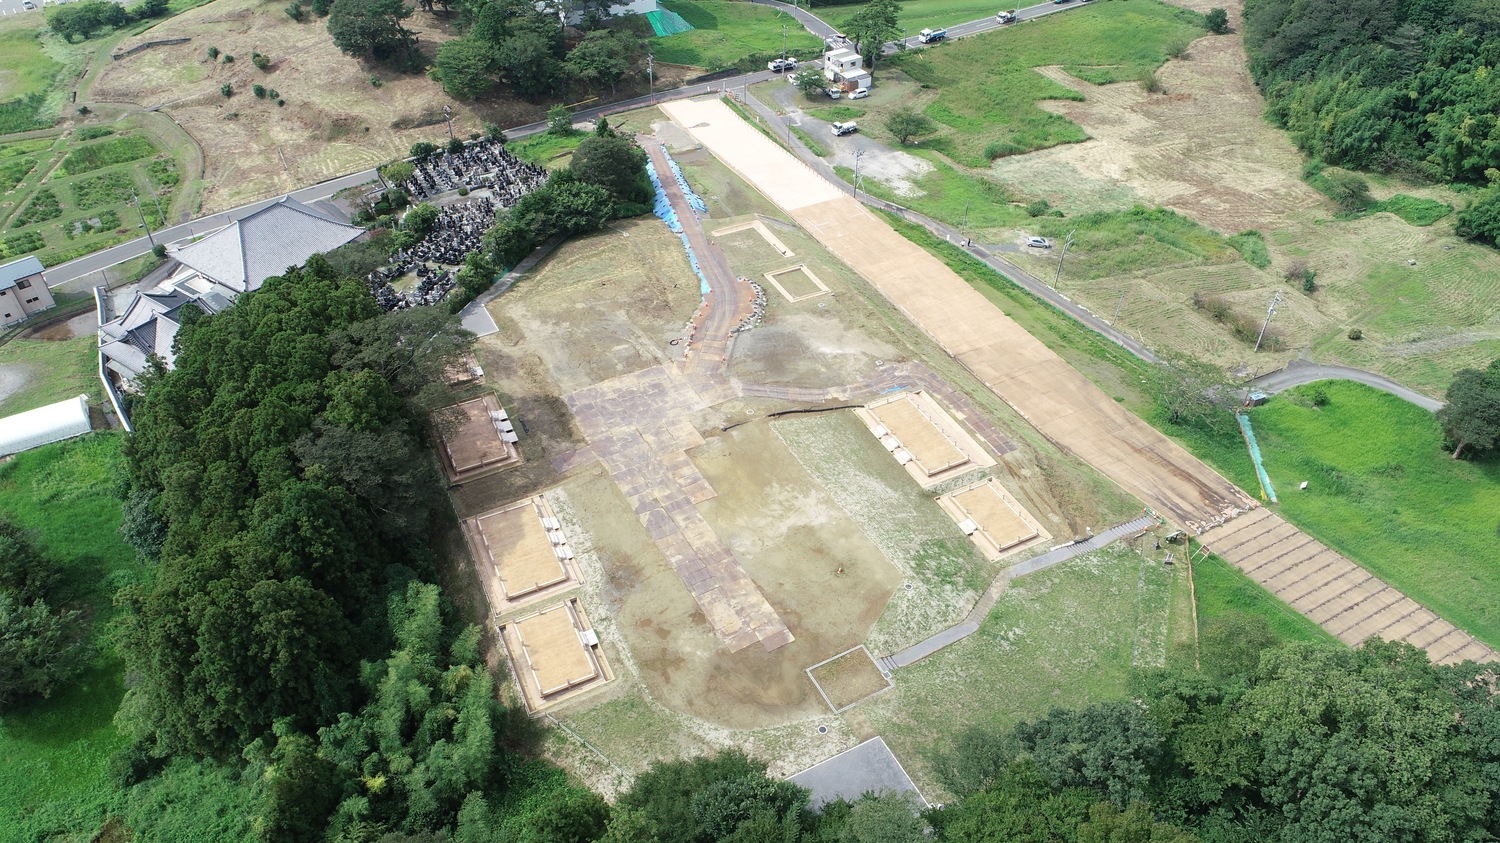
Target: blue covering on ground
x: 1266, y: 492
x: 663, y: 209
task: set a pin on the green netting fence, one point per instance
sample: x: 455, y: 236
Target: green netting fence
x: 667, y: 22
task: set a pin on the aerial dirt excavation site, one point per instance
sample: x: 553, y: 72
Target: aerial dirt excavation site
x: 754, y: 467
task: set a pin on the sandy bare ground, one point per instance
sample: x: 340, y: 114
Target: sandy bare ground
x: 1201, y: 148
x: 334, y: 121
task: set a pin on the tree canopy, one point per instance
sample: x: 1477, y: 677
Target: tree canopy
x: 1471, y: 416
x: 284, y: 459
x: 371, y: 29
x: 1371, y: 84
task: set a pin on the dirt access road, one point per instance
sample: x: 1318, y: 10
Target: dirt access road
x: 1060, y: 402
x: 1063, y: 404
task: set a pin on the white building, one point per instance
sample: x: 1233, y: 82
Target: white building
x: 44, y: 425
x: 846, y: 70
x: 212, y: 273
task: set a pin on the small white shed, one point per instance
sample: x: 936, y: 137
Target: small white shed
x: 44, y: 425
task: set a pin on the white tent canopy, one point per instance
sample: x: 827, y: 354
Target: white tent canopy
x: 52, y: 423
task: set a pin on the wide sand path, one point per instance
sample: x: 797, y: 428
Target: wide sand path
x: 1068, y: 408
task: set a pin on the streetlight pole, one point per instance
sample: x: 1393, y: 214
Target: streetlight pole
x: 149, y: 238
x: 1270, y: 311
x: 1060, y: 258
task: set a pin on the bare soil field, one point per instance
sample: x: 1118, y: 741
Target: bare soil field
x: 841, y: 542
x: 849, y: 678
x: 1202, y: 148
x: 334, y: 121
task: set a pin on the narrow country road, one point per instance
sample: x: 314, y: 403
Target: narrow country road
x: 1301, y: 371
x: 105, y: 258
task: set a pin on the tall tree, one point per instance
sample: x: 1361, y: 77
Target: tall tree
x: 276, y: 540
x: 614, y: 163
x: 1471, y: 416
x: 467, y: 67
x: 371, y: 29
x: 528, y: 64
x: 872, y: 26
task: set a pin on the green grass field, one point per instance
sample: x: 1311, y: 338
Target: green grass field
x: 1382, y: 491
x: 918, y: 14
x: 726, y: 32
x: 26, y: 72
x: 993, y: 113
x: 52, y: 371
x: 55, y: 751
x: 1060, y: 637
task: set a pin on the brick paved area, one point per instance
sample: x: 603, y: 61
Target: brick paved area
x: 1343, y: 598
x: 640, y: 426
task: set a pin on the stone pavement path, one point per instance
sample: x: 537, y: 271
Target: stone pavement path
x: 640, y: 426
x: 1343, y: 598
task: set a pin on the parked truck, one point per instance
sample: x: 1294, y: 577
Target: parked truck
x: 932, y: 36
x: 841, y: 129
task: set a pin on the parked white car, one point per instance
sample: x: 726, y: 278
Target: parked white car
x: 860, y: 94
x: 781, y: 65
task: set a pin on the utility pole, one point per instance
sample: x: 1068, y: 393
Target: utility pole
x: 858, y: 154
x: 967, y: 205
x: 149, y: 238
x: 1117, y: 309
x: 651, y: 74
x: 1060, y: 258
x: 159, y: 213
x: 783, y: 48
x: 448, y: 113
x: 1270, y: 311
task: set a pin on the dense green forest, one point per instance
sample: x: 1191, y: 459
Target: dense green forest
x: 1405, y: 87
x: 1372, y: 84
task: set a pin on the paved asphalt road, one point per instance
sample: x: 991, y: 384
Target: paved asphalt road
x: 103, y: 259
x: 1301, y: 371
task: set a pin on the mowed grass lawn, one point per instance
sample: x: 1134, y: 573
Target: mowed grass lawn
x: 988, y: 89
x: 725, y: 32
x: 919, y: 14
x: 1383, y: 491
x: 1061, y: 637
x: 51, y: 371
x: 55, y: 751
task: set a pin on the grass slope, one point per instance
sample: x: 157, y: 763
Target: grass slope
x: 26, y: 72
x: 1382, y: 491
x: 53, y: 371
x: 725, y: 32
x: 988, y: 89
x: 56, y: 750
x: 1059, y: 637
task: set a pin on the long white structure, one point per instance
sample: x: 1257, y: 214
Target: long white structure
x: 44, y: 425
